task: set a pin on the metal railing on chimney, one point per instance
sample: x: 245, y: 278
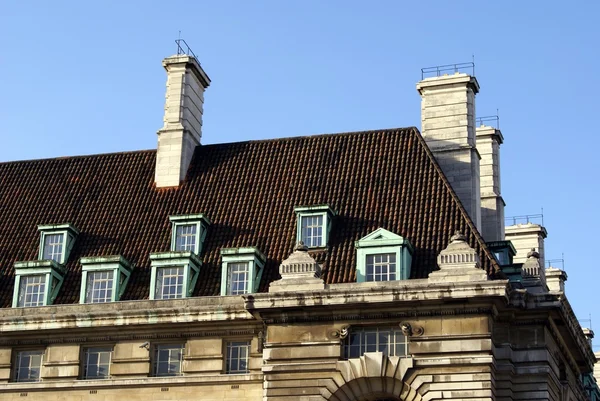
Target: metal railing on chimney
x: 440, y: 70
x: 486, y: 119
x: 184, y: 49
x: 526, y: 219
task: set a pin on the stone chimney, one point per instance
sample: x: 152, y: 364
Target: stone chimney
x: 458, y: 263
x: 448, y: 127
x: 555, y: 279
x: 597, y: 367
x: 526, y: 237
x: 589, y: 335
x: 299, y: 272
x: 489, y: 140
x: 182, y: 129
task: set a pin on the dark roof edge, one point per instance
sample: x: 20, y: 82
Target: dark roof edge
x: 288, y: 138
x: 78, y: 156
x: 497, y: 271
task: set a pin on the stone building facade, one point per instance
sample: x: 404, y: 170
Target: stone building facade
x: 347, y: 267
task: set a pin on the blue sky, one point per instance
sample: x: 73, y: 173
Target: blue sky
x: 86, y: 77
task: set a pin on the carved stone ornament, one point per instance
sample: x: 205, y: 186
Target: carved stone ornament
x: 411, y: 331
x: 340, y: 333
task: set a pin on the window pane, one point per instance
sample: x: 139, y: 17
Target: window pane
x: 99, y: 286
x: 381, y: 267
x: 169, y: 283
x: 390, y: 341
x: 96, y: 362
x: 185, y: 237
x: 32, y: 290
x: 312, y: 230
x: 237, y: 357
x: 237, y: 280
x: 167, y: 359
x: 53, y: 247
x: 28, y: 366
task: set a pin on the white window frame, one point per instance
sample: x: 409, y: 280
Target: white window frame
x: 237, y: 345
x: 250, y: 255
x: 17, y: 366
x: 382, y: 241
x: 396, y: 332
x: 100, y: 349
x: 69, y: 234
x: 52, y: 272
x: 314, y: 211
x: 188, y: 261
x: 156, y: 362
x: 199, y: 220
x: 117, y: 264
x: 394, y: 252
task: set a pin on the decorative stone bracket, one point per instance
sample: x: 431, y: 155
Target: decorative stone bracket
x: 411, y: 331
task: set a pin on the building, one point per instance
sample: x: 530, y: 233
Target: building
x: 345, y: 267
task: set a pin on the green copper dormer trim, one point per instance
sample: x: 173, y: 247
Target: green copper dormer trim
x: 313, y: 224
x: 56, y: 241
x: 504, y: 251
x: 394, y: 250
x: 48, y: 276
x: 191, y: 217
x: 184, y: 265
x: 119, y: 268
x: 189, y: 232
x: 254, y: 261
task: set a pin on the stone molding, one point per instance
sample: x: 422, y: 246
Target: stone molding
x: 299, y: 272
x: 373, y: 369
x: 459, y: 262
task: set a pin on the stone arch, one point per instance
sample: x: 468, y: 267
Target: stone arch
x: 373, y: 377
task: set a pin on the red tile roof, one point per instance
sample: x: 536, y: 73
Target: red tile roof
x: 372, y: 179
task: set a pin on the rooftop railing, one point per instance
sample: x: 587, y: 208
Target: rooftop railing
x: 184, y: 49
x: 440, y: 70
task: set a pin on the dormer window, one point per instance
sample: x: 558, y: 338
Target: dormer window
x: 189, y: 232
x: 103, y: 279
x: 37, y: 283
x: 56, y: 242
x: 174, y: 274
x: 383, y: 256
x: 242, y: 270
x: 313, y: 225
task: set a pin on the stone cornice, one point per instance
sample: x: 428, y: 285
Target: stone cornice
x: 407, y: 291
x: 164, y: 382
x: 119, y: 314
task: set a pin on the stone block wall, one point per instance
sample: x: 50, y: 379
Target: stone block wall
x: 448, y: 127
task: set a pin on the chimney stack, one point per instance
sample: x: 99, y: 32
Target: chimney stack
x: 489, y: 140
x: 448, y: 127
x: 555, y: 279
x: 526, y: 237
x: 182, y: 129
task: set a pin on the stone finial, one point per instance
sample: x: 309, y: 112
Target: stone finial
x: 533, y: 254
x: 458, y: 237
x: 532, y: 268
x: 458, y: 262
x: 300, y: 246
x: 299, y: 272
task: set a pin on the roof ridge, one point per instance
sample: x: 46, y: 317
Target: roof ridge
x: 320, y: 135
x: 78, y: 156
x: 288, y: 138
x: 462, y: 209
